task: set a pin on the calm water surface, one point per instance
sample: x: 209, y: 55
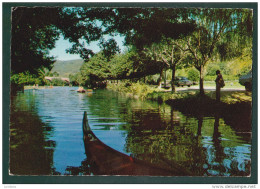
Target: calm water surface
x: 47, y: 139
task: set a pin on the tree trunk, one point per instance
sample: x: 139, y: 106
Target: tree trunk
x: 201, y: 80
x: 165, y: 78
x: 173, y: 78
x: 160, y: 79
x: 200, y: 123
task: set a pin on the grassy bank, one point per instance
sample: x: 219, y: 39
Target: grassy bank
x: 235, y: 106
x: 148, y: 92
x: 35, y: 87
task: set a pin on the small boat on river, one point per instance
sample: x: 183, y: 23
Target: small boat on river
x: 104, y: 160
x: 82, y: 90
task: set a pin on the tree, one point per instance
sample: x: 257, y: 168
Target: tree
x: 77, y: 79
x: 96, y: 69
x: 35, y: 30
x: 109, y: 48
x: 41, y: 76
x: 148, y: 28
x: 154, y: 52
x: 121, y: 65
x: 173, y: 54
x: 140, y: 26
x: 212, y: 26
x: 33, y: 34
x: 145, y: 26
x: 23, y: 78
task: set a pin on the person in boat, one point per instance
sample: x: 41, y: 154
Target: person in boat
x: 81, y: 89
x: 219, y: 84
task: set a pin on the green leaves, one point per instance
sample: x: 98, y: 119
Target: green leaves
x: 172, y: 36
x: 109, y: 48
x: 33, y: 34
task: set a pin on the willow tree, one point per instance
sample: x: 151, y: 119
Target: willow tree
x: 213, y: 25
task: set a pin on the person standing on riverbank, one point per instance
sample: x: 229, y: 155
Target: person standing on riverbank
x: 219, y: 84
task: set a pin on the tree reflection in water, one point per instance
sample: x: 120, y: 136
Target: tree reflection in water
x: 84, y: 169
x: 31, y: 153
x: 167, y: 137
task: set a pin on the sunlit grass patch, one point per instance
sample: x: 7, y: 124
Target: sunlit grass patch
x: 236, y: 97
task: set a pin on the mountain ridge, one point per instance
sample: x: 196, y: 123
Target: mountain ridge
x: 67, y: 67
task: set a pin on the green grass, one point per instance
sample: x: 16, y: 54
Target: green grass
x: 146, y: 92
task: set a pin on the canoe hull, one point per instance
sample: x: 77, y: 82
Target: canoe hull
x: 106, y: 161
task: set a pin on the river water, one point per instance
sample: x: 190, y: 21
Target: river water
x: 46, y: 135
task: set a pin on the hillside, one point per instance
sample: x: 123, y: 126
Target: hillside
x: 65, y: 68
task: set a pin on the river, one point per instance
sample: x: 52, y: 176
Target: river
x: 46, y: 134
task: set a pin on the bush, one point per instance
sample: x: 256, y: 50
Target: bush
x: 136, y: 89
x: 212, y: 68
x: 58, y: 82
x: 193, y: 74
x: 152, y: 79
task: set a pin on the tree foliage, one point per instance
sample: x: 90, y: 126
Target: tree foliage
x: 97, y: 68
x: 140, y: 26
x: 159, y: 38
x: 33, y: 34
x: 168, y: 37
x: 120, y: 66
x: 213, y: 27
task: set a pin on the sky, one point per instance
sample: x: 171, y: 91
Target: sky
x: 59, y: 52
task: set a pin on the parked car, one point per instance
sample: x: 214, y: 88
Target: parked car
x: 246, y: 80
x: 182, y: 81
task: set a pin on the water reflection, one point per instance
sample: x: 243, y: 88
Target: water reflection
x: 199, y: 144
x: 222, y: 160
x: 84, y: 169
x: 49, y: 123
x: 31, y: 153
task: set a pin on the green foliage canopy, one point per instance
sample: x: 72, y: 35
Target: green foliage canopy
x: 33, y: 34
x: 219, y: 34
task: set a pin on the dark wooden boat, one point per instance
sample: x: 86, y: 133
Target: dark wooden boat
x: 104, y: 160
x: 81, y: 91
x: 84, y: 91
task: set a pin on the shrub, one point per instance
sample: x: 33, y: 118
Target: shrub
x: 58, y: 82
x: 193, y: 74
x: 136, y: 89
x: 212, y: 68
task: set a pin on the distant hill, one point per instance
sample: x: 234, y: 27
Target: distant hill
x: 65, y: 68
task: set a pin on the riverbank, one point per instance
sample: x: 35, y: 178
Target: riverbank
x: 148, y: 92
x: 29, y: 87
x: 234, y: 103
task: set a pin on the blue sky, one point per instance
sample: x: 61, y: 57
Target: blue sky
x: 61, y: 45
